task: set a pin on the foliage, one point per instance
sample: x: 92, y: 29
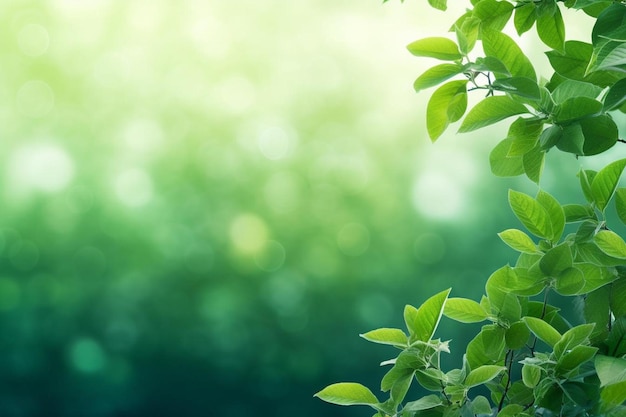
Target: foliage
x: 528, y: 357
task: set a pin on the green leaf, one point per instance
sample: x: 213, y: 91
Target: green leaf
x: 493, y: 14
x: 438, y: 4
x: 550, y: 137
x: 531, y: 374
x: 491, y: 110
x: 600, y: 134
x: 572, y: 62
x: 575, y: 357
x: 608, y: 56
x: 435, y: 47
x: 491, y: 64
x: 595, y: 276
x: 517, y: 335
x: 569, y: 89
x: 524, y: 133
x: 609, y: 22
x: 586, y: 178
x: 386, y: 336
x: 616, y: 95
x: 424, y: 403
x: 596, y: 310
x: 437, y: 75
x: 612, y: 396
x: 503, y: 165
x: 347, y: 393
x: 573, y: 337
x: 464, y: 310
x: 590, y: 252
x: 610, y: 370
x: 556, y: 260
x: 542, y: 330
x: 572, y: 139
x: 502, y: 47
x: 620, y: 203
x: 571, y: 281
x: 487, y: 347
x: 450, y: 95
x: 521, y: 86
x: 518, y: 240
x: 467, y: 32
x: 525, y: 17
x: 481, y: 405
x: 533, y: 163
x: 483, y: 374
x: 551, y: 29
x: 555, y: 214
x: 423, y: 322
x: 531, y: 213
x: 611, y: 243
x: 578, y: 212
x: 605, y: 182
x: 577, y: 108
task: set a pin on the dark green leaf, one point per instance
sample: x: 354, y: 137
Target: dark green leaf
x: 616, y: 96
x: 571, y: 89
x: 556, y: 260
x: 517, y: 335
x: 521, y: 86
x: 424, y: 403
x: 572, y: 139
x: 577, y: 108
x: 551, y: 29
x: 550, y: 137
x: 620, y: 203
x: 578, y: 212
x: 525, y: 17
x: 600, y: 134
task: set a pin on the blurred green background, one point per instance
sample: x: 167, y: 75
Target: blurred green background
x: 204, y: 203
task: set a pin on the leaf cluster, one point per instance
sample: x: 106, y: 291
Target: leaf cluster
x: 528, y: 357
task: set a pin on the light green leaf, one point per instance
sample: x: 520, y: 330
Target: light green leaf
x: 531, y: 213
x: 556, y: 260
x: 531, y: 374
x: 573, y: 337
x: 518, y: 240
x: 551, y: 29
x: 437, y: 111
x: 612, y: 396
x: 493, y: 14
x: 386, y: 336
x: 424, y: 403
x: 590, y: 252
x: 586, y: 178
x: 543, y: 330
x: 498, y: 45
x: 595, y: 276
x: 569, y: 89
x: 481, y: 405
x: 437, y: 75
x: 533, y: 163
x: 467, y: 33
x: 464, y: 310
x: 610, y: 370
x: 572, y: 63
x: 487, y: 347
x: 524, y: 133
x: 423, y: 322
x: 347, y: 393
x: 435, y: 47
x: 555, y: 214
x: 620, y: 203
x: 575, y: 357
x: 503, y: 165
x: 438, y: 4
x: 491, y: 110
x: 521, y: 86
x: 482, y: 374
x: 605, y: 182
x: 611, y: 243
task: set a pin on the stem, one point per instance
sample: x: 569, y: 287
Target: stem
x: 509, y: 356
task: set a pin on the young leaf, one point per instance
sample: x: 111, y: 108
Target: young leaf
x: 483, y: 374
x: 611, y: 243
x: 386, y: 336
x: 423, y: 322
x: 542, y: 330
x: 464, y: 310
x: 437, y: 111
x: 491, y: 110
x: 551, y: 29
x: 503, y: 165
x: 347, y: 393
x: 437, y: 75
x: 518, y: 240
x: 436, y: 47
x: 531, y: 374
x: 498, y: 45
x: 531, y: 213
